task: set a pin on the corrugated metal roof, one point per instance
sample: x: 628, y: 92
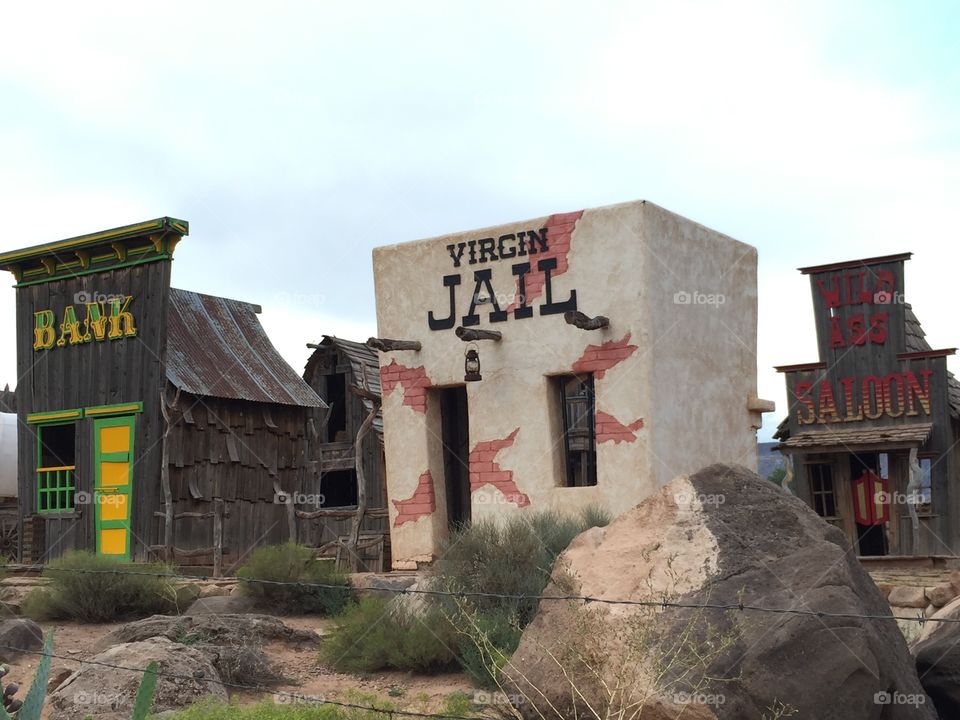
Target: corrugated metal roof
x: 363, y: 362
x: 851, y: 438
x: 217, y: 347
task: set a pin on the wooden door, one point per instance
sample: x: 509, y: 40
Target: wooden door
x: 113, y: 484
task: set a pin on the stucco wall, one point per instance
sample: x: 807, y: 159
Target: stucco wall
x: 672, y: 379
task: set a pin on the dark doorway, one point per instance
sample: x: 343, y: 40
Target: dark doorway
x: 456, y: 452
x: 871, y: 540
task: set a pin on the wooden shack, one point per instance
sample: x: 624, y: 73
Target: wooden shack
x: 153, y: 422
x: 872, y: 434
x: 346, y: 375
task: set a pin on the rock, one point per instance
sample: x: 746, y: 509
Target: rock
x: 950, y: 611
x: 938, y: 664
x: 885, y: 588
x: 12, y: 597
x: 214, y: 591
x: 187, y: 595
x: 909, y: 628
x: 58, y: 673
x: 222, y: 605
x: 907, y: 596
x: 955, y: 581
x: 722, y: 536
x: 108, y: 694
x: 18, y: 635
x: 940, y: 595
x: 210, y: 629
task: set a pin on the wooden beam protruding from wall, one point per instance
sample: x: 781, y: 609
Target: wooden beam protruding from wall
x: 472, y: 334
x: 584, y: 322
x: 388, y: 345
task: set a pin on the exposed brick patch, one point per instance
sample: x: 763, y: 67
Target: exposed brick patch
x: 414, y: 382
x: 422, y: 502
x: 484, y: 471
x: 607, y: 427
x: 597, y: 359
x: 559, y: 229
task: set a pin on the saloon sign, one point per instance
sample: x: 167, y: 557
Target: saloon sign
x: 108, y: 319
x: 894, y: 395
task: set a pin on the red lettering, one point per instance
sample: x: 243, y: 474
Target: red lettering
x: 830, y: 296
x: 836, y: 334
x: 893, y: 388
x: 871, y: 389
x: 858, y: 330
x: 801, y: 391
x: 878, y: 328
x: 918, y: 392
x: 828, y: 406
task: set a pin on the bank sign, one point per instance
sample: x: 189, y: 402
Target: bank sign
x: 532, y: 258
x: 109, y: 318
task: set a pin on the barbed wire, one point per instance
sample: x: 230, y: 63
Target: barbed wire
x: 663, y: 603
x: 298, y: 698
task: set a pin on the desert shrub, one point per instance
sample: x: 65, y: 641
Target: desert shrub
x: 379, y: 634
x: 595, y: 516
x: 292, y: 563
x: 93, y: 588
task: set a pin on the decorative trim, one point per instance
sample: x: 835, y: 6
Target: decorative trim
x: 926, y: 354
x: 801, y: 367
x: 107, y: 410
x: 813, y: 269
x: 29, y: 276
x: 54, y: 416
x: 97, y: 238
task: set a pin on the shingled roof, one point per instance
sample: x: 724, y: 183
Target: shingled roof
x: 365, y: 364
x: 915, y: 434
x: 217, y: 348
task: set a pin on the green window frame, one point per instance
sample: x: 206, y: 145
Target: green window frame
x: 56, y: 478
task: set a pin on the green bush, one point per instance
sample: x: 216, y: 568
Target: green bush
x: 514, y: 557
x: 115, y: 590
x: 292, y: 563
x: 378, y: 634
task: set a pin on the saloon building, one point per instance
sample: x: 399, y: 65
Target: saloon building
x: 871, y: 435
x: 153, y: 422
x: 584, y: 358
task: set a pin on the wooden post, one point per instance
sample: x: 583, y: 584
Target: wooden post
x: 167, y: 411
x: 584, y: 322
x: 365, y: 426
x: 387, y: 345
x: 217, y: 537
x: 471, y: 334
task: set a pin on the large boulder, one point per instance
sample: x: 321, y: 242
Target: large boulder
x: 108, y: 694
x: 723, y: 536
x: 223, y: 630
x: 222, y: 605
x: 19, y: 636
x: 938, y: 664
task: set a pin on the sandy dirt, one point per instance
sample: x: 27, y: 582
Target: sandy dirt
x: 304, y: 674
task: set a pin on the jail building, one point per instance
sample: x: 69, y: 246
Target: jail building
x: 583, y: 358
x: 873, y: 427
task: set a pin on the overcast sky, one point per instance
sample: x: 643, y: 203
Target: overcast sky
x: 295, y: 137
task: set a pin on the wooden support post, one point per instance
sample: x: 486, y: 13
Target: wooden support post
x: 584, y: 322
x: 217, y: 537
x: 472, y: 334
x: 387, y: 345
x: 365, y: 426
x: 167, y: 410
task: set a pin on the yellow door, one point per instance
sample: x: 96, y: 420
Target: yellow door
x: 113, y: 488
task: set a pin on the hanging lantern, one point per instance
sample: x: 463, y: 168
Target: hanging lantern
x: 471, y: 365
x: 871, y: 501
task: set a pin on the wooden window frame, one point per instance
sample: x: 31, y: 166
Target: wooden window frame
x: 59, y: 496
x: 588, y: 457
